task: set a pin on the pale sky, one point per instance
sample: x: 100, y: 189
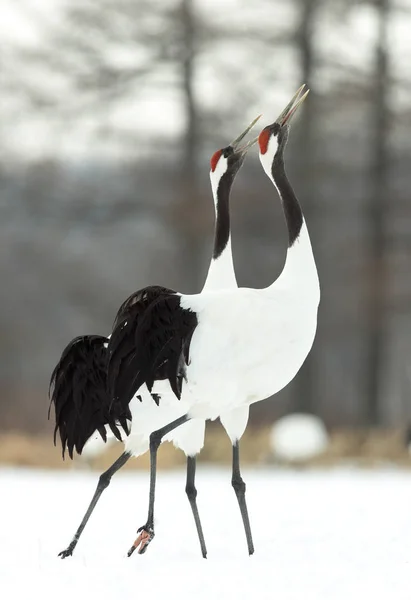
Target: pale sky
x: 151, y: 112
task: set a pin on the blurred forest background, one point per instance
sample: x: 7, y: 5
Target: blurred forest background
x: 110, y: 111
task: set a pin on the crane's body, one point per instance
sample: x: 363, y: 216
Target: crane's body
x: 220, y: 351
x: 83, y: 366
x: 248, y: 343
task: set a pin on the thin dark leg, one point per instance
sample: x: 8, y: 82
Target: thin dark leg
x: 239, y: 488
x: 103, y: 482
x: 147, y: 531
x: 192, y: 495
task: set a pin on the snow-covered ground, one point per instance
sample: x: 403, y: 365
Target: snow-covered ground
x: 321, y: 535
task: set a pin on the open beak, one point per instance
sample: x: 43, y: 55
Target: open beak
x: 243, y: 149
x: 298, y: 98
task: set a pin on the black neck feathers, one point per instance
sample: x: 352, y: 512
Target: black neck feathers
x: 222, y: 226
x: 292, y: 210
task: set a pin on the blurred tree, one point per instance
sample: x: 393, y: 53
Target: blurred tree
x: 305, y: 158
x: 187, y: 221
x: 379, y: 191
x: 79, y: 232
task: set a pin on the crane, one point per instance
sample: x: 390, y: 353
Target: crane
x: 221, y: 350
x: 78, y: 383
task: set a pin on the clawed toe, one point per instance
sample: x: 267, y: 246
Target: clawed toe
x: 146, y: 534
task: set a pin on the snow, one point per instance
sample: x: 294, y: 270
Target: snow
x: 340, y: 534
x: 298, y: 436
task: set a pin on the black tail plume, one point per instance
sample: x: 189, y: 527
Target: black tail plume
x: 78, y: 390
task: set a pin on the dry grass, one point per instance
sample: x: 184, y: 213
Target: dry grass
x: 368, y: 448
x: 19, y: 449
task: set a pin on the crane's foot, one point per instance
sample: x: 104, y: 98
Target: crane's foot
x: 146, y: 534
x: 68, y: 551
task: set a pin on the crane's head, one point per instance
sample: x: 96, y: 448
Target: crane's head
x: 229, y: 159
x: 273, y: 138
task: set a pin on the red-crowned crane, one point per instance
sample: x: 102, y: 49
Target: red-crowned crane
x: 82, y: 403
x: 220, y: 351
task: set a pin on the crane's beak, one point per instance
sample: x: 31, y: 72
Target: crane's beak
x: 243, y: 149
x: 298, y: 98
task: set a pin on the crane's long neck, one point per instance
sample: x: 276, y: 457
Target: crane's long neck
x: 300, y: 264
x: 221, y: 272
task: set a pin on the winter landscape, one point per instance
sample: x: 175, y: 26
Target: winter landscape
x: 110, y: 111
x: 318, y: 534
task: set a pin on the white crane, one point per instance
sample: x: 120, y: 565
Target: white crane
x: 224, y: 164
x: 221, y: 351
x: 79, y: 380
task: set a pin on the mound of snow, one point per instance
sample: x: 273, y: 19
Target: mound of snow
x: 298, y: 437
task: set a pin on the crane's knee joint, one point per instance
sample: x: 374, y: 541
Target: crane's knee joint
x: 191, y: 492
x: 238, y: 485
x: 104, y: 480
x: 155, y: 440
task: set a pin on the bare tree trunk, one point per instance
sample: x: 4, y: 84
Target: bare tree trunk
x: 379, y: 181
x: 191, y: 137
x: 188, y: 209
x: 303, y: 392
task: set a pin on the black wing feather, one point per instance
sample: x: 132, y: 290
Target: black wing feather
x: 123, y: 341
x: 139, y: 301
x: 78, y: 390
x: 151, y: 346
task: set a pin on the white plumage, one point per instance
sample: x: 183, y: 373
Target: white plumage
x: 249, y: 344
x: 95, y: 447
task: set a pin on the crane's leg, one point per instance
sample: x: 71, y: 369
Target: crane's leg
x: 147, y: 531
x: 103, y: 482
x: 192, y: 495
x: 239, y: 488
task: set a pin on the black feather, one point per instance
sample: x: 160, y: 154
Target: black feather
x: 139, y: 301
x: 151, y: 345
x: 123, y: 341
x: 78, y: 390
